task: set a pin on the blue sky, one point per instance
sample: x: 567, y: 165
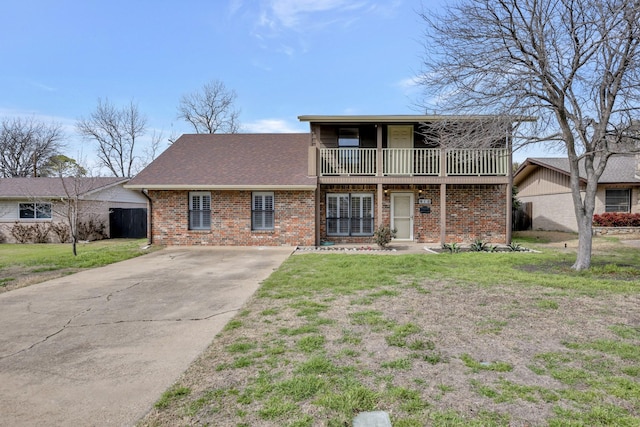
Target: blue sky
x: 284, y: 58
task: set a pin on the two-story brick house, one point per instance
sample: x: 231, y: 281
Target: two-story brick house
x: 338, y: 183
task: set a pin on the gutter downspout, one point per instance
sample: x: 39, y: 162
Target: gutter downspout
x: 145, y: 192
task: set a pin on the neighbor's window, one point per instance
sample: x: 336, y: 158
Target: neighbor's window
x: 262, y: 211
x: 349, y: 214
x: 617, y: 200
x: 35, y: 210
x: 199, y: 210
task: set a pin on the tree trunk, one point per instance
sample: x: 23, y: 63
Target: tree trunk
x: 584, y: 215
x: 585, y: 241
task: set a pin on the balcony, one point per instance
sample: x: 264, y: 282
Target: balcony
x: 414, y: 162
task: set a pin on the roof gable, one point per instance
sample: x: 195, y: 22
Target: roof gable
x: 621, y: 169
x: 231, y: 161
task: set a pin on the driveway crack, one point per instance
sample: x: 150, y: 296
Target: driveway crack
x: 191, y: 319
x: 48, y: 336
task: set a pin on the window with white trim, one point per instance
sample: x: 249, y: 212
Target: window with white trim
x: 199, y: 210
x: 617, y: 200
x: 35, y: 210
x: 350, y: 214
x: 262, y: 211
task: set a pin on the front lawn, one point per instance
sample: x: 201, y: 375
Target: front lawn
x: 23, y: 265
x: 482, y: 339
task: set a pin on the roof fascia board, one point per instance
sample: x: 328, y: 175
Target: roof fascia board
x: 407, y: 118
x: 220, y: 187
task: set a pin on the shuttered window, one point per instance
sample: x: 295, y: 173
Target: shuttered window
x: 262, y: 211
x: 349, y: 214
x: 200, y: 210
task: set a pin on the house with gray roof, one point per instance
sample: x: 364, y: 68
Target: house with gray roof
x: 544, y: 183
x: 336, y: 184
x: 45, y: 201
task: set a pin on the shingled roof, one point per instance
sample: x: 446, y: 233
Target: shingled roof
x: 621, y: 169
x: 15, y: 188
x: 230, y: 161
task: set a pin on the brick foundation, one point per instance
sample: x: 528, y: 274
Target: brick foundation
x: 231, y: 220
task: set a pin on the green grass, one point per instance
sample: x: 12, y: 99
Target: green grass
x: 31, y: 259
x: 51, y: 256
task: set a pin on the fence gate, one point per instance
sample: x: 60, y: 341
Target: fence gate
x: 522, y: 217
x: 128, y: 223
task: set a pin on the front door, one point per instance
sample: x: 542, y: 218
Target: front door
x: 402, y: 215
x: 400, y: 153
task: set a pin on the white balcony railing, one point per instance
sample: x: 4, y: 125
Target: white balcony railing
x: 414, y: 161
x: 493, y: 161
x: 411, y: 161
x: 348, y: 161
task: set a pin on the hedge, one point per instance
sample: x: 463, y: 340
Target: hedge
x: 617, y: 219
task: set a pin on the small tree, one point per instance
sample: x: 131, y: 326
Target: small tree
x: 211, y: 109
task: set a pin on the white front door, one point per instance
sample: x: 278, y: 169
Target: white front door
x: 402, y: 215
x: 399, y: 159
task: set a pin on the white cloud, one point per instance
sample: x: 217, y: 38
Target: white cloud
x: 273, y: 126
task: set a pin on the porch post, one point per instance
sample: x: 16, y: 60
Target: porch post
x: 379, y: 171
x: 443, y: 213
x: 379, y: 199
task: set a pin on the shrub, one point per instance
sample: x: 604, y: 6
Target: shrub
x: 91, y: 230
x: 480, y: 246
x: 41, y: 233
x: 30, y: 233
x: 617, y: 219
x: 453, y: 248
x: 62, y: 231
x: 383, y: 235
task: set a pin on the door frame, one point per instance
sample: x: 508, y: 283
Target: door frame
x: 411, y: 212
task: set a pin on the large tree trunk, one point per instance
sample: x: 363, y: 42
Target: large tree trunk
x: 585, y: 242
x: 584, y: 207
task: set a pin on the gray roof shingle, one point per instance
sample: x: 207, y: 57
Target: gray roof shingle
x: 620, y: 168
x: 199, y: 161
x: 11, y: 188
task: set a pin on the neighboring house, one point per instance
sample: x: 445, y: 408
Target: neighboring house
x: 544, y: 182
x: 46, y: 201
x: 338, y: 183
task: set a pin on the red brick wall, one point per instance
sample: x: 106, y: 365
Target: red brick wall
x: 473, y: 212
x: 231, y: 220
x: 476, y: 212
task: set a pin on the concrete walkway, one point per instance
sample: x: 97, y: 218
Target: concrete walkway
x: 99, y: 347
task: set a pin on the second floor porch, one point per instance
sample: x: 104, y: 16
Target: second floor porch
x: 436, y: 162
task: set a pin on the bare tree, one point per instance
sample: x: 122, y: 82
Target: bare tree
x: 116, y: 132
x: 573, y: 64
x: 211, y: 109
x: 25, y: 144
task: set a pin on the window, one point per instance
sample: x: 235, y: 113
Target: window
x: 349, y: 141
x: 200, y: 211
x: 617, y: 200
x: 348, y: 137
x: 349, y: 214
x: 35, y: 210
x: 262, y: 211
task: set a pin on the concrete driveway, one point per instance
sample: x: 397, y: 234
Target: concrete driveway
x: 99, y: 347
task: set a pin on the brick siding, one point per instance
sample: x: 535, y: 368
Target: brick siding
x: 231, y: 220
x: 476, y: 212
x: 473, y: 212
